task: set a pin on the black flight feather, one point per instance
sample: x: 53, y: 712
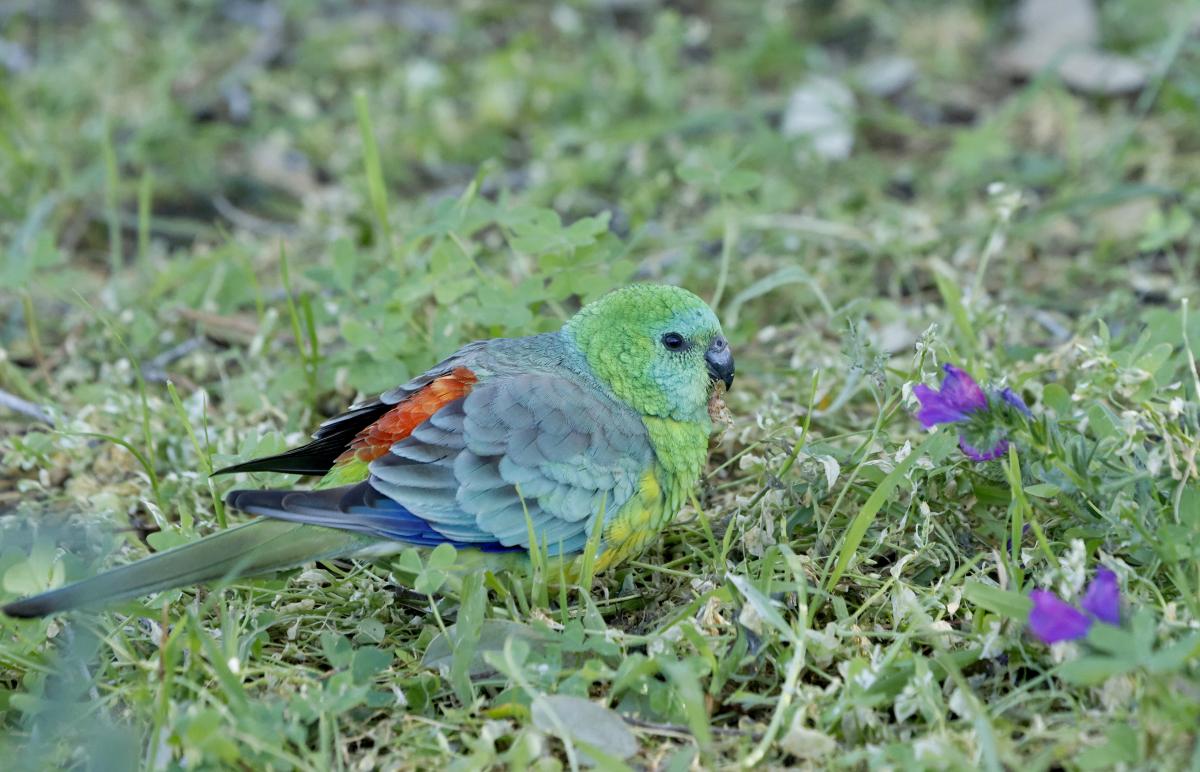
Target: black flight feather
x: 331, y: 439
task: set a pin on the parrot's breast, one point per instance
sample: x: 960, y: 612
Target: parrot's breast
x: 680, y: 448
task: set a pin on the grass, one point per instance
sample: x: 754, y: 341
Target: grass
x: 224, y: 223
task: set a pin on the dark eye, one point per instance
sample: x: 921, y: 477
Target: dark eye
x: 673, y: 341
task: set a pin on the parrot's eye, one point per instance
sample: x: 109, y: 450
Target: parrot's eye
x: 673, y: 341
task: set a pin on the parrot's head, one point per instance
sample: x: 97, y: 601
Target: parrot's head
x: 659, y: 348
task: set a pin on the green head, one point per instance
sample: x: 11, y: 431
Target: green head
x: 659, y: 348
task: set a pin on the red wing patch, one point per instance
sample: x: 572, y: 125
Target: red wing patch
x: 397, y: 423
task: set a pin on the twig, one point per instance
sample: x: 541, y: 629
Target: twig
x: 227, y: 329
x: 674, y: 730
x: 156, y: 368
x: 1047, y: 320
x: 25, y: 408
x: 250, y: 222
x: 812, y: 226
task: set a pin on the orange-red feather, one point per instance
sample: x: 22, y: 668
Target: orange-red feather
x: 399, y: 422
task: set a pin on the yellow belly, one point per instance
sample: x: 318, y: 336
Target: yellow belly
x: 627, y: 534
x: 636, y: 524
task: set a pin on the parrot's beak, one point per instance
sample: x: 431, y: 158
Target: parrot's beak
x: 720, y: 361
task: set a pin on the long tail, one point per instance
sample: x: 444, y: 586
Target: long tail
x: 258, y: 547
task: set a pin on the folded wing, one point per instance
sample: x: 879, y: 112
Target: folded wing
x: 541, y: 447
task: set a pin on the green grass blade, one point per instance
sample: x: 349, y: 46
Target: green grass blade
x: 376, y: 189
x: 935, y: 444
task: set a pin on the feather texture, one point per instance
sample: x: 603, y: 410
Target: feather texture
x: 517, y: 450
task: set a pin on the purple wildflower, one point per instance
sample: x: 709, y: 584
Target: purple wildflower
x: 1014, y: 399
x: 960, y: 400
x: 1052, y: 619
x: 998, y: 450
x: 959, y: 396
x: 1103, y: 598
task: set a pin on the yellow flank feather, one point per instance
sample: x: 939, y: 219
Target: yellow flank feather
x: 637, y: 514
x: 635, y: 524
x: 355, y: 470
x: 680, y: 448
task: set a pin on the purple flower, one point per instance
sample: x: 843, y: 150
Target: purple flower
x: 1103, y: 599
x: 998, y: 450
x: 959, y: 396
x: 1014, y: 399
x: 960, y: 400
x: 1052, y: 619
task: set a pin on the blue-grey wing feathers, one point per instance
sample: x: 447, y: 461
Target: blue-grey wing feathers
x: 523, y: 448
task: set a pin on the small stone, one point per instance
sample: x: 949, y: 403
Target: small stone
x: 1064, y: 34
x: 1103, y: 74
x: 888, y: 76
x: 805, y: 743
x: 822, y: 111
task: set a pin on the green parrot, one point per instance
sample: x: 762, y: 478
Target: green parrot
x: 603, y: 424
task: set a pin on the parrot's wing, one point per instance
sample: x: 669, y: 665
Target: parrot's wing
x: 331, y: 439
x: 335, y: 436
x: 539, y: 446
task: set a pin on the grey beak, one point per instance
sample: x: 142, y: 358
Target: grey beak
x: 720, y: 361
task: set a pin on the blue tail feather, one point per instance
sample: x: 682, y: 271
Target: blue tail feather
x: 358, y: 508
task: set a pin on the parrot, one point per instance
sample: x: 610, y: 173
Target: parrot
x: 596, y: 431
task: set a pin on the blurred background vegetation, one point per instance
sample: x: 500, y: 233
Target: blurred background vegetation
x: 281, y: 206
